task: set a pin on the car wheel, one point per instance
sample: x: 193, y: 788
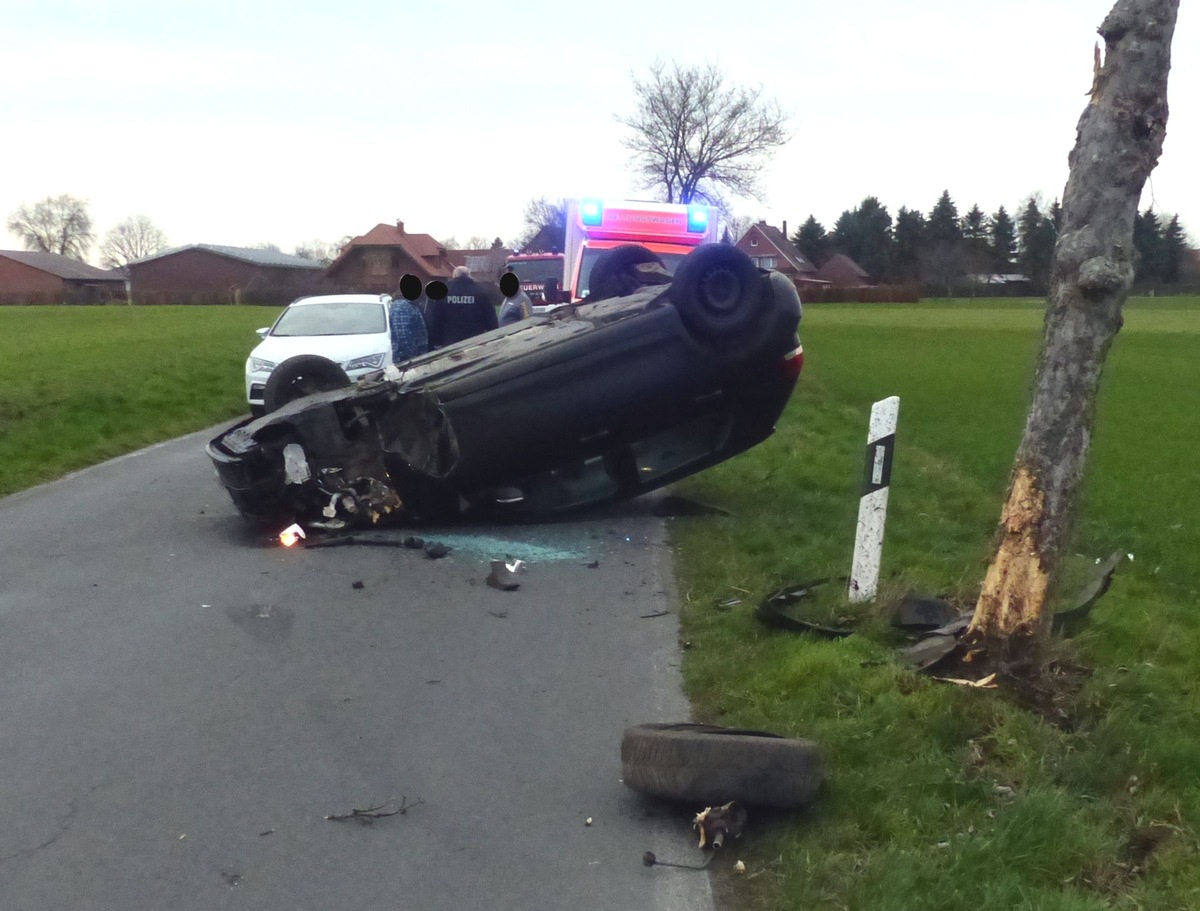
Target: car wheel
x: 718, y: 292
x: 711, y: 765
x: 614, y: 273
x: 299, y: 376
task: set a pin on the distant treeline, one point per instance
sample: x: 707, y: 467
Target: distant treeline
x: 951, y: 254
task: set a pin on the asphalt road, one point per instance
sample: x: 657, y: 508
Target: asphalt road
x: 183, y: 704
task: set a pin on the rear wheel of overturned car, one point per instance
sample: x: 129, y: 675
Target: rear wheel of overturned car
x: 299, y: 376
x: 711, y: 765
x: 721, y: 300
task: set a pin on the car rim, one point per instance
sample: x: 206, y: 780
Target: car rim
x: 721, y: 291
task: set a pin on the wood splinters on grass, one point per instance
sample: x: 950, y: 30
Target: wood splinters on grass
x: 983, y: 683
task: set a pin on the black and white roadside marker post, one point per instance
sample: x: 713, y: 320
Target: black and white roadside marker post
x: 872, y: 508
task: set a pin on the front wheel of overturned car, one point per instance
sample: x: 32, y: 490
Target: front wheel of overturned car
x: 706, y: 764
x: 299, y: 376
x: 721, y: 300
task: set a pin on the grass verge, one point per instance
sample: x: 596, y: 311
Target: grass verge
x: 940, y: 797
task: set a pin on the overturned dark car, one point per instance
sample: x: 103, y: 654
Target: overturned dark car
x: 650, y: 380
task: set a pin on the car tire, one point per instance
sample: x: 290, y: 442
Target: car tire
x: 720, y: 297
x: 299, y: 376
x: 613, y: 274
x: 710, y: 765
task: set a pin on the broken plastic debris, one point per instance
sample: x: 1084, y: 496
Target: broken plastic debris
x: 917, y: 611
x: 291, y: 535
x: 588, y: 821
x: 739, y: 867
x: 515, y: 566
x: 716, y: 823
x: 502, y: 577
x: 928, y: 652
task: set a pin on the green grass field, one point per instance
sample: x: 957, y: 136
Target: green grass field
x: 912, y: 817
x: 79, y: 385
x: 938, y: 797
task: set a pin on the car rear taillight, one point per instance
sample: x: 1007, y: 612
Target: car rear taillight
x: 793, y: 362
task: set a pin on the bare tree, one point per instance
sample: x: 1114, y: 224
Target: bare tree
x: 1120, y: 137
x: 319, y: 250
x: 545, y: 227
x: 57, y: 224
x: 694, y: 135
x: 135, y: 237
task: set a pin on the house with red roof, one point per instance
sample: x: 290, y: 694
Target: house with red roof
x: 770, y: 248
x: 376, y: 261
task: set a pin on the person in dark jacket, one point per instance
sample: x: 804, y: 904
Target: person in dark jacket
x: 466, y: 310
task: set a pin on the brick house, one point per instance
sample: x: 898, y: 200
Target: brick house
x: 376, y: 261
x: 841, y: 271
x: 485, y: 265
x: 213, y: 274
x: 47, y: 278
x: 770, y: 248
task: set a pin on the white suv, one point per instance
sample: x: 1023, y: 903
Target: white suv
x: 351, y: 330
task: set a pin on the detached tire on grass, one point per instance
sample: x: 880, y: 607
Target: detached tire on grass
x: 711, y: 765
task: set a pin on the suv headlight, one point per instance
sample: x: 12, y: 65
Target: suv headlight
x: 258, y: 365
x: 370, y: 362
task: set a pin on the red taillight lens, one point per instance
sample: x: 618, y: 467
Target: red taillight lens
x: 793, y: 362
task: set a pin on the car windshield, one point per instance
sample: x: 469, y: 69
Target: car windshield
x: 334, y: 318
x: 591, y: 254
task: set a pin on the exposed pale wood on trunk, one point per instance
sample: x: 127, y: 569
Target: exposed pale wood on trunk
x: 1119, y: 139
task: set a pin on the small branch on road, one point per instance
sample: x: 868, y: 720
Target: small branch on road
x: 368, y: 816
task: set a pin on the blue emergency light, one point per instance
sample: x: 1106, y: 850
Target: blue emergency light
x: 591, y: 212
x: 697, y: 219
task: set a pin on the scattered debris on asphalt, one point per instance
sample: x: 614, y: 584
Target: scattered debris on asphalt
x: 650, y: 859
x: 356, y: 585
x: 291, y: 535
x: 368, y: 815
x: 595, y: 564
x: 503, y: 577
x: 413, y: 542
x: 661, y: 613
x: 435, y: 551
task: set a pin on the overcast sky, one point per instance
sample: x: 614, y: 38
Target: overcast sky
x: 241, y: 122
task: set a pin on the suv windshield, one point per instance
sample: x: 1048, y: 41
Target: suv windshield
x: 340, y: 318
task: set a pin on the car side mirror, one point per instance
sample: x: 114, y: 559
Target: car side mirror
x: 262, y: 333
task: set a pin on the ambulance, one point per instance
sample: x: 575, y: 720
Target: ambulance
x: 671, y: 230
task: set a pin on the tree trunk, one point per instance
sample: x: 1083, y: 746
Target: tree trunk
x: 1120, y: 137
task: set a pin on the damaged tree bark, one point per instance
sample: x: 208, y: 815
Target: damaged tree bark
x: 1118, y: 142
